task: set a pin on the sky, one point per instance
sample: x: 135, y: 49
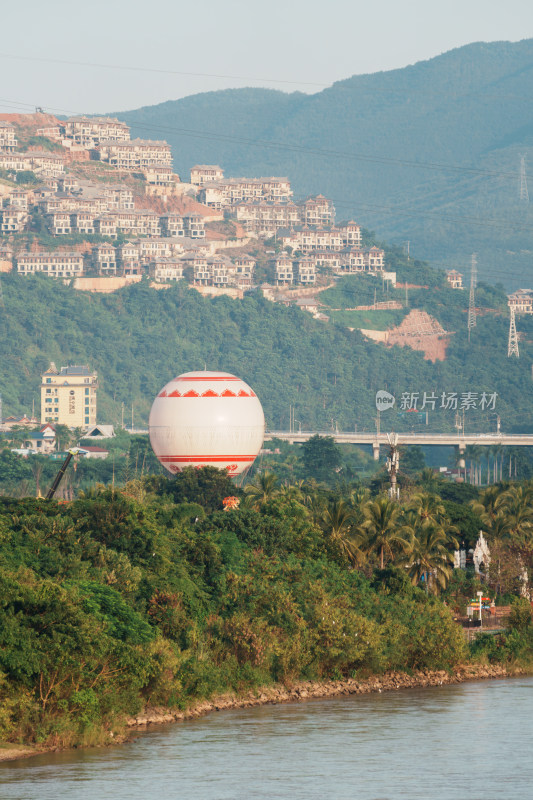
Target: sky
x: 117, y: 55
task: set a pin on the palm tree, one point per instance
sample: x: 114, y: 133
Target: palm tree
x: 429, y: 480
x: 428, y: 509
x: 382, y: 529
x: 337, y: 522
x: 430, y: 558
x: 292, y: 491
x: 262, y: 489
x: 517, y: 504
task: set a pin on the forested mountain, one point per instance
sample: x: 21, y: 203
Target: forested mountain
x: 138, y: 339
x: 429, y: 153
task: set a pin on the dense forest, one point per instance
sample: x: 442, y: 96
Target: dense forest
x: 137, y: 339
x: 153, y: 594
x: 429, y: 153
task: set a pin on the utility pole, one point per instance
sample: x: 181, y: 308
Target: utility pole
x: 393, y: 464
x: 524, y: 194
x: 472, y: 298
x: 512, y: 345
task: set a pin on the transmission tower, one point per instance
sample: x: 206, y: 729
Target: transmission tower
x: 512, y: 346
x: 472, y: 298
x: 524, y: 194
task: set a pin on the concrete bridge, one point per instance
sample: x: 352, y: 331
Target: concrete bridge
x: 375, y: 440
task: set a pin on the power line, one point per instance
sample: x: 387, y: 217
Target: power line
x: 340, y: 84
x: 272, y: 145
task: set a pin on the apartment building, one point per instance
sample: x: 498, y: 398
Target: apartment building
x: 149, y: 249
x: 14, y: 162
x: 521, y: 301
x: 374, y: 258
x: 159, y: 175
x: 129, y: 258
x: 45, y: 164
x: 206, y: 173
x: 13, y: 219
x: 284, y: 271
x: 68, y: 396
x: 59, y: 223
x: 244, y: 271
x: 53, y: 263
x: 351, y: 234
x: 163, y: 270
x: 89, y: 132
x: 106, y: 226
x: 265, y: 219
x: 105, y: 259
x: 19, y: 198
x: 194, y: 226
x: 306, y: 271
x: 308, y: 239
x: 8, y: 139
x: 317, y: 212
x: 201, y: 269
x: 135, y: 155
x: 172, y: 225
x: 232, y: 191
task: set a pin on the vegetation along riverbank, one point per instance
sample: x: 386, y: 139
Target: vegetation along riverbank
x: 152, y: 597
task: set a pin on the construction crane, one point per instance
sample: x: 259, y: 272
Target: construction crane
x: 74, y: 451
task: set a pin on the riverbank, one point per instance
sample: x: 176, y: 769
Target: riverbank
x: 308, y: 690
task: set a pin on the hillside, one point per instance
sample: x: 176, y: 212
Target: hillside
x: 429, y: 153
x: 138, y: 339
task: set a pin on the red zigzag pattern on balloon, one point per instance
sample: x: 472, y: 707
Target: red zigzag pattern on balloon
x: 208, y: 393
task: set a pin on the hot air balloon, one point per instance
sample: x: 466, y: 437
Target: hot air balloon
x: 206, y: 419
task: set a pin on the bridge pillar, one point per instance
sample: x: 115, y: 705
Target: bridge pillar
x: 462, y: 448
x: 375, y: 450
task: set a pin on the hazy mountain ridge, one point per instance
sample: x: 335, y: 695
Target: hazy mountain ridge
x: 467, y: 108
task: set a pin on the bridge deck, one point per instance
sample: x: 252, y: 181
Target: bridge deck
x: 374, y: 439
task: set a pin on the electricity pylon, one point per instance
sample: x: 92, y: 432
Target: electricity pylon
x: 472, y: 298
x: 524, y: 194
x: 512, y: 346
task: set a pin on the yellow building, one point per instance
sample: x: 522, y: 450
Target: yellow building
x: 68, y: 396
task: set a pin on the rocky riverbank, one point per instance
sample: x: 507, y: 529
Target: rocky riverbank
x: 391, y: 681
x: 310, y: 689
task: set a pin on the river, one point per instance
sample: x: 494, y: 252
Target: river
x: 471, y: 741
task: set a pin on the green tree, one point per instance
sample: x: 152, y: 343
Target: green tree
x: 321, y: 457
x: 338, y: 524
x: 262, y: 489
x: 382, y: 529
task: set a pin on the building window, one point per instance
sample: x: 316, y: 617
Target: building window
x: 87, y: 420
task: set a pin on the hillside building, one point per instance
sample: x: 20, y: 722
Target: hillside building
x: 68, y: 396
x: 521, y: 301
x: 53, y: 263
x: 455, y: 279
x: 206, y: 173
x: 135, y: 155
x: 88, y: 132
x: 8, y: 140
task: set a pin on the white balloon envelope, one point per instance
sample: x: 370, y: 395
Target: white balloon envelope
x: 204, y: 419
